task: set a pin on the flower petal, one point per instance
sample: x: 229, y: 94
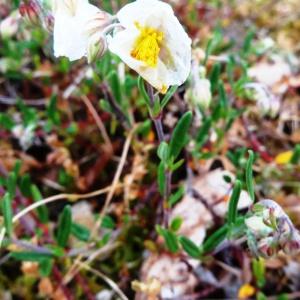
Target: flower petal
x: 70, y: 39
x: 174, y: 60
x: 140, y: 10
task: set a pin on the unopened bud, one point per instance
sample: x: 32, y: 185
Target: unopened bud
x: 31, y: 12
x: 199, y: 92
x: 97, y: 46
x: 9, y: 26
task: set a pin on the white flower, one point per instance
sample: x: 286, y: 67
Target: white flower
x: 153, y: 43
x: 72, y: 27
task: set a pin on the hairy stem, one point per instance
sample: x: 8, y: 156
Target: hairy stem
x: 161, y: 137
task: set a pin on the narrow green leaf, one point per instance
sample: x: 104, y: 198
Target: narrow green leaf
x: 105, y: 239
x: 222, y: 95
x: 42, y: 211
x: 296, y: 155
x: 7, y: 213
x: 56, y: 250
x: 215, y: 239
x: 45, y: 267
x: 144, y: 128
x: 283, y: 297
x: 176, y: 223
x: 190, y: 247
x: 156, y: 108
x: 203, y: 132
x: 142, y: 89
x: 6, y: 121
x: 233, y: 202
x: 248, y: 41
x: 161, y: 178
x: 17, y: 167
x: 108, y: 222
x: 30, y: 256
x: 258, y: 266
x: 12, y: 184
x: 179, y: 136
x: 214, y: 76
x: 170, y: 239
x: 24, y: 185
x: 64, y: 226
x: 175, y: 197
x: 80, y: 232
x: 168, y: 96
x: 249, y: 175
x: 177, y: 165
x: 261, y: 296
x: 162, y: 151
x: 115, y: 85
x: 52, y: 111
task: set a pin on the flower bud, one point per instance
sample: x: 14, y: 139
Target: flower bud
x: 9, y: 26
x: 97, y: 46
x: 31, y: 12
x: 94, y: 29
x: 199, y: 92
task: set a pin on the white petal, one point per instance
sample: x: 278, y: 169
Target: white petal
x: 174, y: 61
x: 140, y: 10
x: 178, y: 44
x: 70, y: 39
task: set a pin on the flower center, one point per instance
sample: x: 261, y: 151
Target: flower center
x: 147, y: 45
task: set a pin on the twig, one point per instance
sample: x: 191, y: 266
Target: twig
x: 71, y: 197
x: 122, y: 118
x: 110, y: 282
x: 74, y: 268
x: 33, y: 102
x: 98, y: 121
x: 72, y: 87
x: 31, y: 247
x: 157, y: 120
x: 115, y: 182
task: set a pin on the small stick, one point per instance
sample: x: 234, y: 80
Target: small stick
x: 110, y: 282
x: 98, y: 121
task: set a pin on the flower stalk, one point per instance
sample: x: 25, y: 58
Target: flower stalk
x: 157, y: 120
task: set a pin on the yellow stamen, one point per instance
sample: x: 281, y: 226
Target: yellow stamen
x: 147, y: 45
